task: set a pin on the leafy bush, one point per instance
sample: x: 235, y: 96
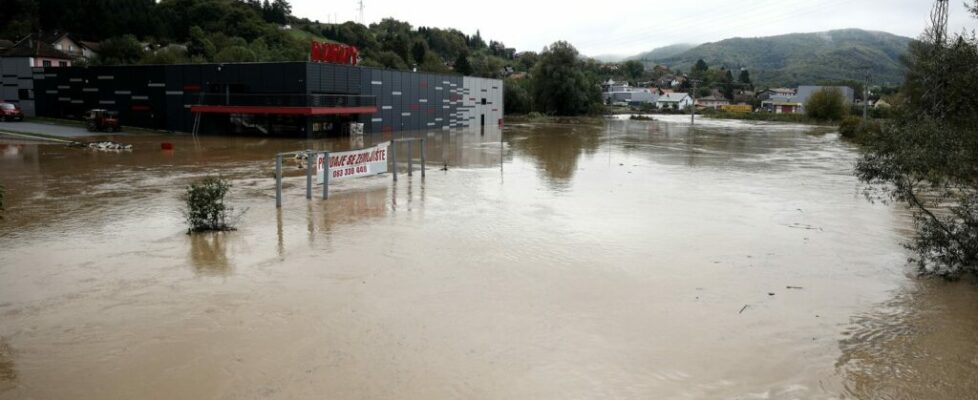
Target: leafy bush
x: 927, y: 155
x: 206, y: 210
x: 856, y: 129
x: 828, y: 104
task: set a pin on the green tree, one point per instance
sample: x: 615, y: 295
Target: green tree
x: 633, y: 69
x: 476, y: 42
x: 418, y: 51
x: 200, y: 44
x: 120, y: 50
x: 18, y: 18
x: 562, y: 84
x: 462, y: 65
x: 727, y: 87
x: 927, y: 156
x: 166, y: 55
x: 700, y: 69
x: 745, y: 77
x: 235, y: 54
x: 827, y: 104
x: 516, y: 96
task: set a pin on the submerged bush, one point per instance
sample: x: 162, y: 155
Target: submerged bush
x: 206, y: 210
x: 1, y: 199
x: 856, y: 129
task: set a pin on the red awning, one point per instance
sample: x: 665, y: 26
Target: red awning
x: 282, y: 110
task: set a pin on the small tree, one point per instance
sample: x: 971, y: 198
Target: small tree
x: 462, y: 65
x: 634, y: 69
x: 206, y: 210
x: 827, y: 104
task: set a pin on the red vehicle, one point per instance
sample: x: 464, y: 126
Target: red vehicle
x: 10, y: 112
x: 99, y: 120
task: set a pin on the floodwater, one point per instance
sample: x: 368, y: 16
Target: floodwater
x: 628, y: 260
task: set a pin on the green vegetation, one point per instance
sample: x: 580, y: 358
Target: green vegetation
x: 206, y: 210
x: 562, y: 83
x: 854, y: 128
x: 802, y: 58
x: 198, y: 31
x: 828, y: 104
x: 761, y: 116
x: 926, y: 157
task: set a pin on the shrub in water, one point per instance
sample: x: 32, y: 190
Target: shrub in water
x: 855, y: 128
x: 1, y: 199
x: 206, y: 210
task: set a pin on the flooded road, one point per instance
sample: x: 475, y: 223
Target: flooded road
x: 629, y: 259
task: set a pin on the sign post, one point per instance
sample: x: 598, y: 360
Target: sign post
x: 352, y: 164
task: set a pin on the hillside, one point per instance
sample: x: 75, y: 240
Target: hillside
x: 663, y: 52
x: 804, y: 58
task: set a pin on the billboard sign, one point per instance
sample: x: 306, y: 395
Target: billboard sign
x: 353, y: 164
x: 334, y: 53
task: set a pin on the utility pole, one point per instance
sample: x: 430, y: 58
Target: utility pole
x: 360, y: 16
x: 693, y: 116
x: 866, y: 97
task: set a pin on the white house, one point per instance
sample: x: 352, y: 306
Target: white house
x: 621, y: 92
x: 674, y: 101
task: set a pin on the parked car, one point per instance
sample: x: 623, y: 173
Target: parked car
x: 99, y: 120
x: 11, y: 112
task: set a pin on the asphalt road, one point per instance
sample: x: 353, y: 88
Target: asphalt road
x: 43, y: 128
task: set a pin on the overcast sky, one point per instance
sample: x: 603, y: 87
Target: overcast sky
x: 632, y: 26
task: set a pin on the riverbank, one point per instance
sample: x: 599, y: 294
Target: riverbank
x: 536, y: 118
x: 767, y: 117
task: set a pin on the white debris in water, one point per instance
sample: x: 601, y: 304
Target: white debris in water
x: 102, y: 146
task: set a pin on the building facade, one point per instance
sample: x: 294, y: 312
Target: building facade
x: 284, y: 98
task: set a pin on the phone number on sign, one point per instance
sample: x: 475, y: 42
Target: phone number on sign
x: 348, y: 171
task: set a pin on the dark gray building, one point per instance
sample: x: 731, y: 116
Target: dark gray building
x: 286, y: 98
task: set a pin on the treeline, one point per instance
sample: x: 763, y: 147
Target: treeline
x: 557, y: 81
x: 197, y: 31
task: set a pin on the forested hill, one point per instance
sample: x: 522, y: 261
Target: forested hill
x: 181, y: 31
x: 804, y: 58
x: 663, y: 52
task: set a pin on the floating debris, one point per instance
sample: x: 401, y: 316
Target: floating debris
x: 106, y: 145
x: 804, y: 226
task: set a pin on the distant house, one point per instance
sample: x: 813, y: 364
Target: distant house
x: 71, y: 46
x: 621, y: 92
x: 674, y: 101
x: 776, y: 92
x: 67, y: 44
x: 712, y: 102
x: 36, y: 53
x: 779, y: 103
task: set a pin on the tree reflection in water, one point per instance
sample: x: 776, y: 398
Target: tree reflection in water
x: 556, y: 149
x: 208, y: 253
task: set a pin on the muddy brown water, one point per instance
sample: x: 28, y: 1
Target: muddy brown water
x: 628, y: 260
